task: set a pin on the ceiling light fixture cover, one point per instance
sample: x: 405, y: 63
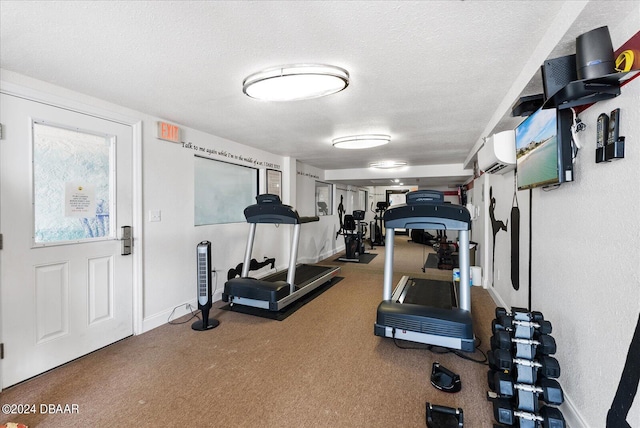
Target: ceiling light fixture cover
x: 296, y: 82
x: 361, y: 141
x: 387, y: 164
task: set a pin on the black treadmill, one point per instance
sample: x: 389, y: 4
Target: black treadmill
x: 423, y: 310
x: 275, y: 291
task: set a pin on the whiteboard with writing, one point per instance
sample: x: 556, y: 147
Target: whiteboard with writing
x: 222, y: 191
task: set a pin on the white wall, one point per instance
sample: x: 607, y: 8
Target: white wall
x: 585, y: 257
x: 587, y: 263
x: 476, y: 204
x: 317, y: 238
x: 169, y: 245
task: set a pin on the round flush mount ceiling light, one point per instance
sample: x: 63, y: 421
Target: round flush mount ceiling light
x: 361, y: 141
x: 296, y: 82
x: 387, y: 164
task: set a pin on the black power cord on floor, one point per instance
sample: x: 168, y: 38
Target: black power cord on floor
x: 442, y: 350
x: 194, y: 312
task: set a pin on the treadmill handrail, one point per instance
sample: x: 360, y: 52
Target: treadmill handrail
x: 271, y: 214
x: 428, y: 216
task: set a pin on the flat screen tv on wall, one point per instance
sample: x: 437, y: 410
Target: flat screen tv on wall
x: 544, y: 149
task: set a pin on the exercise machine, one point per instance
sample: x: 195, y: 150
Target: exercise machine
x: 376, y: 226
x: 423, y: 310
x: 274, y: 292
x: 323, y: 208
x: 445, y: 250
x: 353, y: 229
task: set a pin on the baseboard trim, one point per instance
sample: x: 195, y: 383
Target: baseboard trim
x: 496, y: 297
x: 571, y: 414
x: 161, y: 318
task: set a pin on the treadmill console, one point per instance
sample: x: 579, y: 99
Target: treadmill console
x: 426, y: 209
x: 419, y: 197
x: 270, y: 210
x: 268, y: 198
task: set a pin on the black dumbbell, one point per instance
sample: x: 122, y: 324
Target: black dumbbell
x: 526, y: 370
x: 541, y: 344
x: 547, y: 390
x: 520, y: 314
x: 522, y: 329
x: 491, y: 379
x: 549, y: 417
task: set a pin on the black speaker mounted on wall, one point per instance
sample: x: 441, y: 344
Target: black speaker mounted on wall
x: 594, y: 54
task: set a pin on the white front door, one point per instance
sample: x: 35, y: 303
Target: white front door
x: 65, y: 193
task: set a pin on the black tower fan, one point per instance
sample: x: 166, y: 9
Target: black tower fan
x: 204, y: 288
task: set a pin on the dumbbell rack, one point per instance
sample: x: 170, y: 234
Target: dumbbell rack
x: 522, y: 371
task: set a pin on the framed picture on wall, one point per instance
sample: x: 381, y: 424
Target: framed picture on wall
x: 274, y: 182
x: 362, y: 200
x: 324, y: 203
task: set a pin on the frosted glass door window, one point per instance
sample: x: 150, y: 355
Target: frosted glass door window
x: 72, y: 181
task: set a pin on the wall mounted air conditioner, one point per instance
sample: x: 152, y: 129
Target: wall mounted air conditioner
x: 498, y: 155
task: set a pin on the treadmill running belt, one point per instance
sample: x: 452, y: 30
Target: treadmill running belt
x: 430, y: 292
x: 304, y: 274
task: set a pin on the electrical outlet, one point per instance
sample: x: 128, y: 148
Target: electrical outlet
x: 155, y: 215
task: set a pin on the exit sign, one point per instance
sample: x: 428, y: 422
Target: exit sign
x: 168, y: 132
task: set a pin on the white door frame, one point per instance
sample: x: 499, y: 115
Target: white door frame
x: 9, y: 88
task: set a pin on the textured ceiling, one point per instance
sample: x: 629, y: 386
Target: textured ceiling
x: 435, y: 75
